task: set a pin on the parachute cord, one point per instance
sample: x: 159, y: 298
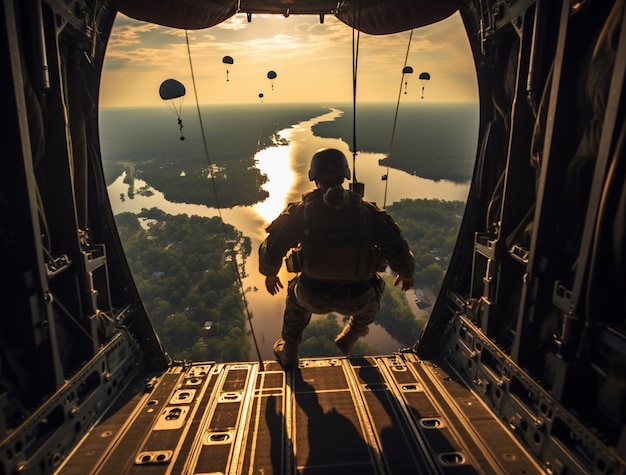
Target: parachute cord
x: 395, y: 119
x: 355, y: 62
x: 230, y: 242
x: 178, y: 111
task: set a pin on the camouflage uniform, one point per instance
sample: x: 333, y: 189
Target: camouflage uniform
x: 302, y: 302
x: 360, y: 297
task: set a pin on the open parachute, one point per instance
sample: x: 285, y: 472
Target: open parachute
x: 173, y: 93
x: 171, y: 89
x: 406, y: 70
x: 228, y: 60
x: 271, y: 75
x: 424, y: 77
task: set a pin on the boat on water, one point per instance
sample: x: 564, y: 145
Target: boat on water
x: 520, y: 369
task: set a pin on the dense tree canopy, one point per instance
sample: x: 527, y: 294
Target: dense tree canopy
x: 422, y: 133
x: 396, y: 317
x: 431, y: 228
x: 186, y: 279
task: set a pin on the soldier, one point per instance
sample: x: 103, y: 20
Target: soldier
x: 337, y: 242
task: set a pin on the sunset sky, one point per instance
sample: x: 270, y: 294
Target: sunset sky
x: 313, y: 62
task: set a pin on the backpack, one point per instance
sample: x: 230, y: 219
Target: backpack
x: 335, y: 242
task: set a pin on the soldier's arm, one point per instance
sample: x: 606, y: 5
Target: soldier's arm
x: 388, y: 237
x: 283, y: 235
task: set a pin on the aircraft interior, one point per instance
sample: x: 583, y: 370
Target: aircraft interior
x: 521, y: 368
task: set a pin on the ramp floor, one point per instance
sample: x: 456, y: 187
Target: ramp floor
x: 390, y: 414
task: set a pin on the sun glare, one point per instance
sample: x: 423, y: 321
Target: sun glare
x: 275, y: 162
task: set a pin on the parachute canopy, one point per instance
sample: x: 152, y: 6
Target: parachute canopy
x: 171, y: 89
x: 173, y: 92
x: 406, y: 70
x: 271, y: 75
x: 261, y: 95
x: 227, y: 60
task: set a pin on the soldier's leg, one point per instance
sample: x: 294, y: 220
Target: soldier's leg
x: 295, y: 320
x: 358, y: 324
x: 296, y: 317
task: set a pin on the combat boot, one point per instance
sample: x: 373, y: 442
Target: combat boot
x: 348, y: 338
x: 286, y: 353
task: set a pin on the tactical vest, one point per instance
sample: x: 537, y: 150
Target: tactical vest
x: 335, y: 244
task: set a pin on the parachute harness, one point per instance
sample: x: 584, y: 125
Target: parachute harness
x: 230, y: 242
x: 405, y: 70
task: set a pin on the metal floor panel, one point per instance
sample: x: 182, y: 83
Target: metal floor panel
x: 378, y: 415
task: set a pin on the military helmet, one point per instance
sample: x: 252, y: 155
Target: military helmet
x: 329, y: 161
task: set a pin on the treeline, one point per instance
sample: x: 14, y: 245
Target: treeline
x: 181, y: 169
x: 199, y: 186
x: 434, y: 141
x: 431, y: 228
x: 185, y: 271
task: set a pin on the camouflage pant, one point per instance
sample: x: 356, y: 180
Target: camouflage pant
x: 303, y: 302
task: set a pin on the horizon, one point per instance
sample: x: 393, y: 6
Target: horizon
x: 295, y: 104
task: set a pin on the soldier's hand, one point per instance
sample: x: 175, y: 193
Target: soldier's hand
x: 407, y: 282
x: 273, y: 284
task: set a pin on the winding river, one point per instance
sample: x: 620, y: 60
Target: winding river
x: 286, y: 167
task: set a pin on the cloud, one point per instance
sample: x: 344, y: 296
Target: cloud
x: 313, y: 60
x: 127, y: 34
x: 234, y: 23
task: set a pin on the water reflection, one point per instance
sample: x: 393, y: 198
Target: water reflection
x: 287, y: 170
x: 303, y: 144
x: 281, y: 179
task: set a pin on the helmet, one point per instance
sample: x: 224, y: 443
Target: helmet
x: 329, y: 161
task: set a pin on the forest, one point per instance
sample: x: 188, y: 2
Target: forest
x: 439, y: 143
x: 184, y: 268
x: 431, y: 228
x: 223, y: 174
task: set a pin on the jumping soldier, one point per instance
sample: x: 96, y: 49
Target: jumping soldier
x: 336, y: 242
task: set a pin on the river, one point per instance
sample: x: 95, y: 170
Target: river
x: 286, y: 167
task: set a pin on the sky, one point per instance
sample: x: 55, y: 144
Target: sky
x: 313, y: 62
